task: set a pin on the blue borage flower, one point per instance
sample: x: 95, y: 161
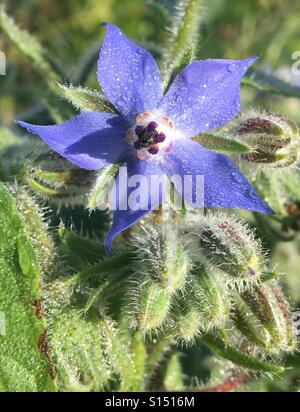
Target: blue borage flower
x: 152, y: 134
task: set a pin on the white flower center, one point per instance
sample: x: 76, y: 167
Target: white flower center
x: 152, y: 135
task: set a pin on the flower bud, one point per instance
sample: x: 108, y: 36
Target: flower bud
x: 161, y: 256
x: 150, y: 306
x: 273, y: 137
x: 212, y: 299
x: 264, y: 317
x: 226, y: 243
x: 204, y: 305
x: 53, y: 178
x: 187, y: 319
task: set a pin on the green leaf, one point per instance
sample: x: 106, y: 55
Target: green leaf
x: 221, y: 144
x: 270, y: 83
x: 25, y: 362
x: 79, y: 249
x: 29, y: 46
x: 239, y: 358
x: 78, y: 347
x: 85, y: 100
x: 43, y: 63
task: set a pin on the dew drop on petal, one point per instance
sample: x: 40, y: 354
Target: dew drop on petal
x: 232, y: 67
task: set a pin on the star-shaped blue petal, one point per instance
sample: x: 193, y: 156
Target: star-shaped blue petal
x: 204, y: 96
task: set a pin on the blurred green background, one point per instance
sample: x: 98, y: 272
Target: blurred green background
x: 70, y: 31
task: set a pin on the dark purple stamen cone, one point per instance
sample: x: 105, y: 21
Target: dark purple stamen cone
x: 153, y: 150
x: 139, y: 131
x: 137, y: 145
x: 161, y: 137
x: 151, y: 126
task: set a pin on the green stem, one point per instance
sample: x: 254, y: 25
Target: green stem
x: 157, y: 354
x: 139, y: 359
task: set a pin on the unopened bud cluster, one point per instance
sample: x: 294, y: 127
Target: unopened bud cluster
x: 189, y: 281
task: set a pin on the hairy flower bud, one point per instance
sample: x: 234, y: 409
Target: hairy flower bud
x: 212, y: 299
x: 264, y: 317
x: 187, y: 320
x: 150, y: 306
x: 57, y: 180
x: 161, y: 256
x: 204, y: 305
x: 273, y: 137
x: 224, y: 242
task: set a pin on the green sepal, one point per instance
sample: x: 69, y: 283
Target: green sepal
x: 238, y: 357
x: 85, y: 99
x: 221, y: 144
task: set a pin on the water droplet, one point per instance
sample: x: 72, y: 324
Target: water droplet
x: 232, y: 67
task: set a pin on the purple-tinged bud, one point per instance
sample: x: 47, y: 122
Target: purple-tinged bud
x: 273, y: 137
x: 263, y: 315
x: 225, y: 243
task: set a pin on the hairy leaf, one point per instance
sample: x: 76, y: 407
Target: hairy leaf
x: 25, y: 363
